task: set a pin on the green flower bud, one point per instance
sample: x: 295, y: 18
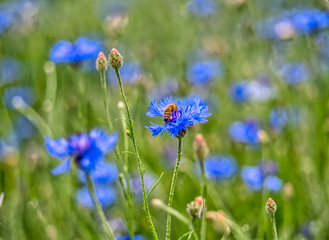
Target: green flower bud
x: 101, y: 62
x: 270, y: 207
x: 115, y: 59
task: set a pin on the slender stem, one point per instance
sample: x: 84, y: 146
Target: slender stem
x: 91, y: 189
x: 119, y: 161
x: 139, y: 161
x: 172, y: 188
x: 275, y: 234
x: 203, y: 232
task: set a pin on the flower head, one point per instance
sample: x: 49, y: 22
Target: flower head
x: 221, y: 167
x: 177, y: 116
x: 270, y: 207
x: 101, y: 62
x: 85, y: 149
x: 204, y: 72
x: 115, y: 59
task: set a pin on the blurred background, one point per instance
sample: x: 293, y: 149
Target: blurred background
x: 260, y: 66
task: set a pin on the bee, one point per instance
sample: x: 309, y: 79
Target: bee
x: 167, y: 115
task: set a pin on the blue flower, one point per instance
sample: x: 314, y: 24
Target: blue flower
x: 253, y: 177
x: 295, y: 73
x: 26, y: 93
x: 23, y: 128
x: 245, y: 132
x: 221, y: 167
x: 104, y: 173
x: 82, y: 49
x: 202, y: 8
x: 10, y: 70
x: 63, y: 52
x: 126, y: 237
x: 180, y: 119
x: 130, y: 72
x: 204, y: 72
x: 273, y: 183
x: 239, y: 92
x: 106, y: 195
x: 268, y: 167
x: 278, y: 119
x: 87, y: 150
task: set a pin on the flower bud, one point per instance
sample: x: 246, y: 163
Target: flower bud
x: 115, y: 59
x: 101, y: 62
x: 194, y: 208
x: 270, y: 207
x: 219, y: 222
x: 200, y: 147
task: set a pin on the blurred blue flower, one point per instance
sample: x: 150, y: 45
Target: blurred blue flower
x: 204, y: 72
x: 295, y: 73
x: 221, y: 167
x: 130, y: 72
x: 104, y: 173
x: 268, y: 167
x: 23, y: 128
x: 260, y: 89
x: 273, y: 184
x: 63, y: 52
x: 180, y: 120
x: 202, y: 8
x: 8, y: 16
x: 10, y: 70
x: 239, y: 92
x: 291, y: 22
x: 26, y: 93
x: 105, y: 194
x: 127, y: 237
x: 253, y: 177
x: 87, y: 150
x: 278, y: 119
x: 6, y: 148
x: 245, y: 132
x: 82, y: 49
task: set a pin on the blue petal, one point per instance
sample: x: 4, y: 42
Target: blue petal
x: 57, y: 148
x: 104, y: 142
x: 106, y: 196
x: 65, y: 166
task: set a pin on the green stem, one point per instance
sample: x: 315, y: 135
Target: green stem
x: 139, y: 161
x: 275, y: 234
x: 172, y: 188
x: 203, y: 232
x: 119, y: 161
x: 99, y: 209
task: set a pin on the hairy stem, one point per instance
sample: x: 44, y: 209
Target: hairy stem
x: 139, y: 161
x: 119, y: 161
x: 203, y: 232
x: 91, y: 189
x: 275, y: 234
x: 172, y: 187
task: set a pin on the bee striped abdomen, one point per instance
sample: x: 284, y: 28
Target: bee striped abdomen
x: 167, y: 115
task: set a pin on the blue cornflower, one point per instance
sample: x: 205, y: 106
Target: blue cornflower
x: 260, y: 89
x: 278, y: 119
x: 106, y: 195
x: 10, y: 94
x: 87, y: 150
x: 130, y: 72
x: 245, y: 132
x: 204, y: 72
x: 82, y: 49
x: 239, y: 92
x: 295, y: 73
x: 273, y: 183
x: 202, y: 8
x: 221, y: 167
x: 253, y: 177
x: 126, y: 237
x: 179, y: 119
x: 104, y: 173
